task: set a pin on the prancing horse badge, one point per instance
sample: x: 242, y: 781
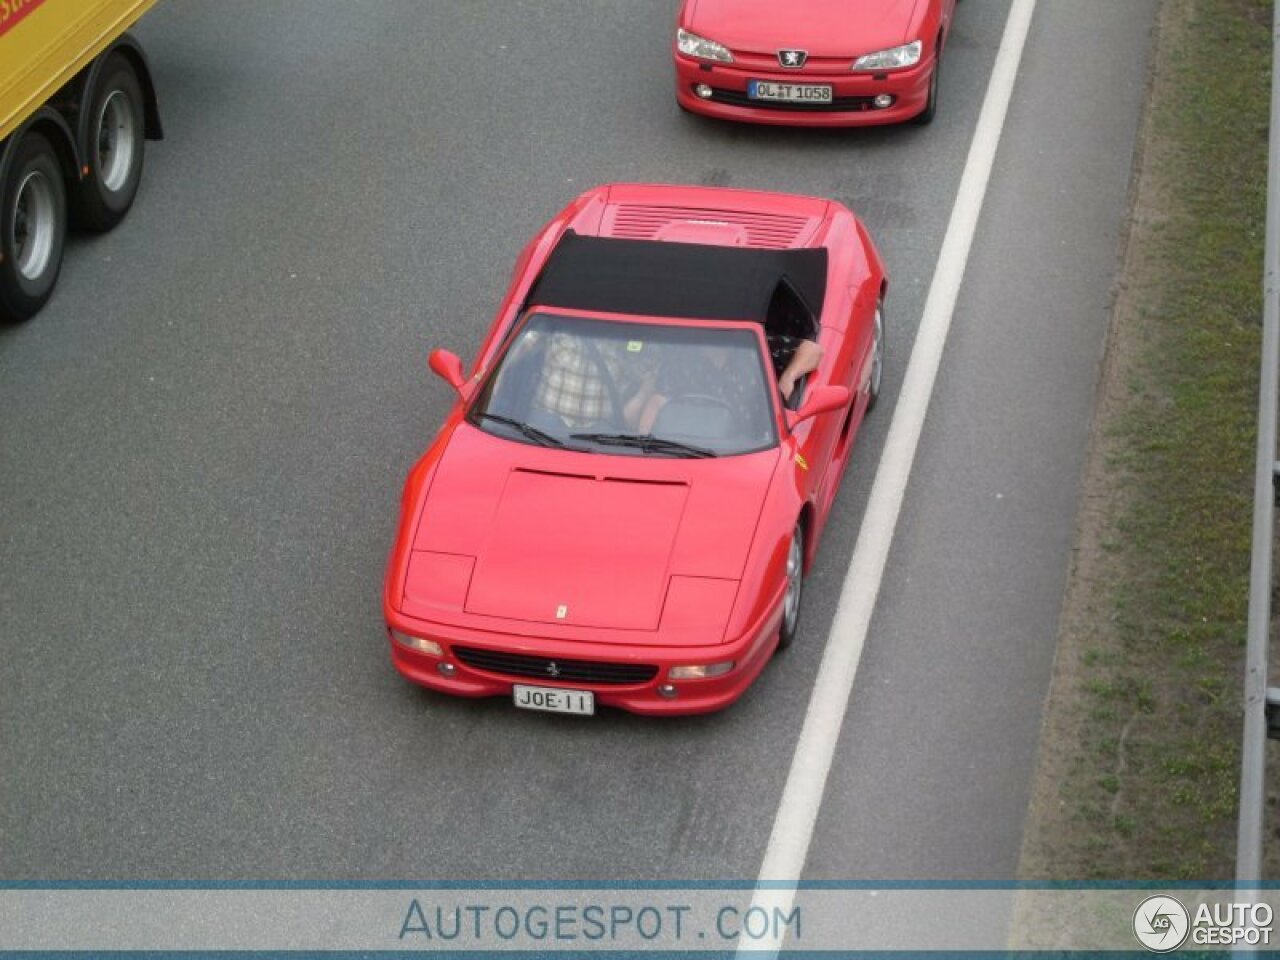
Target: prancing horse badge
x: 562, y: 611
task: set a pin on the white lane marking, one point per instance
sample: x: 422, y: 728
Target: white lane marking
x: 802, y: 797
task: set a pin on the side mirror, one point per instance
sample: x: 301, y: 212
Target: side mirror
x: 820, y: 400
x: 448, y: 367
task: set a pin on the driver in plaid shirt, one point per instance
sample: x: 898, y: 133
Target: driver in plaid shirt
x: 573, y: 385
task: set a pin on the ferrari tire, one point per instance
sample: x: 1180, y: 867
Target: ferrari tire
x: 114, y: 151
x: 795, y: 589
x: 33, y: 228
x: 877, y: 357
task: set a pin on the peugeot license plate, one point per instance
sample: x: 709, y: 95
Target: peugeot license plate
x: 554, y: 699
x: 788, y: 92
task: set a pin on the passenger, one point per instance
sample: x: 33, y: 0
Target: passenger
x: 803, y: 362
x: 708, y: 373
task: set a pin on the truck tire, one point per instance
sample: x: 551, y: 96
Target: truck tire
x: 33, y: 228
x: 114, y: 149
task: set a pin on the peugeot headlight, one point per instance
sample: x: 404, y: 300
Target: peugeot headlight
x: 907, y: 55
x: 692, y: 45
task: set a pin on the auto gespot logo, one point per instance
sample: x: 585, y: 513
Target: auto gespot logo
x: 12, y: 11
x: 1162, y: 924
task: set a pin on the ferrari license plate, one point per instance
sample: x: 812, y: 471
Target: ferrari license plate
x: 554, y: 699
x: 788, y: 92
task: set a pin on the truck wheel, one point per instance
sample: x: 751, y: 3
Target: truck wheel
x: 33, y: 228
x: 114, y: 149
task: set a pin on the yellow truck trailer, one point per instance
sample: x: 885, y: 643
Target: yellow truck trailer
x: 76, y: 104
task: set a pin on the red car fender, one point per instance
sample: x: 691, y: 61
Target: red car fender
x: 764, y: 575
x: 874, y: 263
x: 413, y: 499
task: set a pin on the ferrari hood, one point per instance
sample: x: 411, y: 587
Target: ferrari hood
x: 596, y: 549
x: 587, y: 540
x: 823, y: 28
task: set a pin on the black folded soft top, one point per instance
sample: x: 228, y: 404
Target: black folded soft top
x: 781, y: 289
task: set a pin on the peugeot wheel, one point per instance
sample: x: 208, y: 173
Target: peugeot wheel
x: 925, y: 117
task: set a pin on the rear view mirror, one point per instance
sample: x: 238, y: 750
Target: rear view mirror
x: 821, y: 400
x: 448, y: 367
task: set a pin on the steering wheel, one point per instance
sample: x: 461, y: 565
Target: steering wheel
x: 697, y: 415
x: 704, y: 399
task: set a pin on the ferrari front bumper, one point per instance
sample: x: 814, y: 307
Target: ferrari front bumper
x: 481, y: 663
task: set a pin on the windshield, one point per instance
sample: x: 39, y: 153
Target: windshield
x: 645, y: 389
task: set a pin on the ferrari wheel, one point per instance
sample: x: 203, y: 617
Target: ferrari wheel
x: 877, y: 358
x: 795, y: 587
x: 33, y: 228
x: 115, y: 147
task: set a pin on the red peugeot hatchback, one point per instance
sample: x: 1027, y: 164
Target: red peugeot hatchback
x: 823, y: 63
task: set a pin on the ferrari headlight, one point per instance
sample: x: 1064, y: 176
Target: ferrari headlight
x: 907, y: 55
x: 700, y: 671
x: 692, y: 45
x: 421, y: 644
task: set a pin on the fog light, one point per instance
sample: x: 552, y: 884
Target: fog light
x: 667, y: 690
x: 884, y: 100
x: 703, y: 91
x: 700, y: 671
x: 420, y: 644
x: 446, y: 669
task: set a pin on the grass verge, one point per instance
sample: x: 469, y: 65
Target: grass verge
x: 1139, y: 759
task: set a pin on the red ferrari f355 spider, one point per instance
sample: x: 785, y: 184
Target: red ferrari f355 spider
x: 621, y: 505
x: 821, y: 63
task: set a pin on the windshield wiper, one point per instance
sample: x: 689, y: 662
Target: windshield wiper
x: 528, y: 429
x: 646, y: 442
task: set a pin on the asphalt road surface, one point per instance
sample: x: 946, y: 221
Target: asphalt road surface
x: 205, y: 433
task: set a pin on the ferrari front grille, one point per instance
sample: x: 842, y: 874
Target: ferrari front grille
x: 550, y: 669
